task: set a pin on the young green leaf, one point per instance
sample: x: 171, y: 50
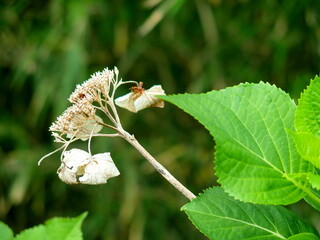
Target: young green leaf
x: 55, y: 228
x: 221, y: 217
x: 304, y: 236
x: 5, y: 232
x: 65, y: 228
x: 313, y: 198
x: 314, y: 180
x: 307, y: 116
x: 308, y: 146
x: 35, y: 233
x: 254, y: 152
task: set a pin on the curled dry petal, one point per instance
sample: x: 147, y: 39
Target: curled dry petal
x: 138, y: 100
x: 78, y: 166
x: 99, y: 170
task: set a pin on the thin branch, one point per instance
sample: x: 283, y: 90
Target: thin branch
x: 108, y: 126
x: 58, y: 149
x: 106, y: 135
x: 161, y: 169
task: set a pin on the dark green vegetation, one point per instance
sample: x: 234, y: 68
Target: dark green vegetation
x: 47, y: 47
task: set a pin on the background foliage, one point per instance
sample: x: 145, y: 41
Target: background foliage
x: 47, y: 47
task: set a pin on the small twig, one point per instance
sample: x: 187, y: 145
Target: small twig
x: 106, y: 135
x: 108, y: 126
x: 64, y: 146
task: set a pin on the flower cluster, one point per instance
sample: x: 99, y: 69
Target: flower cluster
x: 80, y: 121
x: 98, y: 84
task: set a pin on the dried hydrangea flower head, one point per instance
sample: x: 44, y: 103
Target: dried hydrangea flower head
x: 81, y: 121
x: 139, y: 98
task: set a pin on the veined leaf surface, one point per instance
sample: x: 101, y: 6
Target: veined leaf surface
x: 308, y: 146
x: 221, y: 217
x: 307, y: 117
x: 254, y: 152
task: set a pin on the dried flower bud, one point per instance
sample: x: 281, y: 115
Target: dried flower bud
x: 78, y: 166
x: 140, y: 99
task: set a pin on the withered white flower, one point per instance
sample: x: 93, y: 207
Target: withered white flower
x: 79, y: 166
x: 140, y: 99
x: 80, y: 120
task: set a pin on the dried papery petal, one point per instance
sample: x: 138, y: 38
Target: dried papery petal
x: 75, y: 158
x: 149, y: 99
x: 78, y: 166
x: 99, y: 170
x: 72, y: 162
x: 67, y: 175
x: 136, y: 101
x: 127, y: 101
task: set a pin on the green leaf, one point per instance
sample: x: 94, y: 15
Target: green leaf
x: 55, y: 228
x: 304, y: 236
x: 5, y: 232
x: 308, y: 146
x: 35, y: 233
x: 221, y: 217
x: 314, y: 180
x: 313, y: 198
x: 307, y: 117
x: 65, y: 228
x: 254, y: 152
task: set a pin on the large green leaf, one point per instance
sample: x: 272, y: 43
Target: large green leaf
x: 307, y: 117
x: 221, y: 217
x: 254, y: 152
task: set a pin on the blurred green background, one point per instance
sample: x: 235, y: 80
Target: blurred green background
x: 47, y: 47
